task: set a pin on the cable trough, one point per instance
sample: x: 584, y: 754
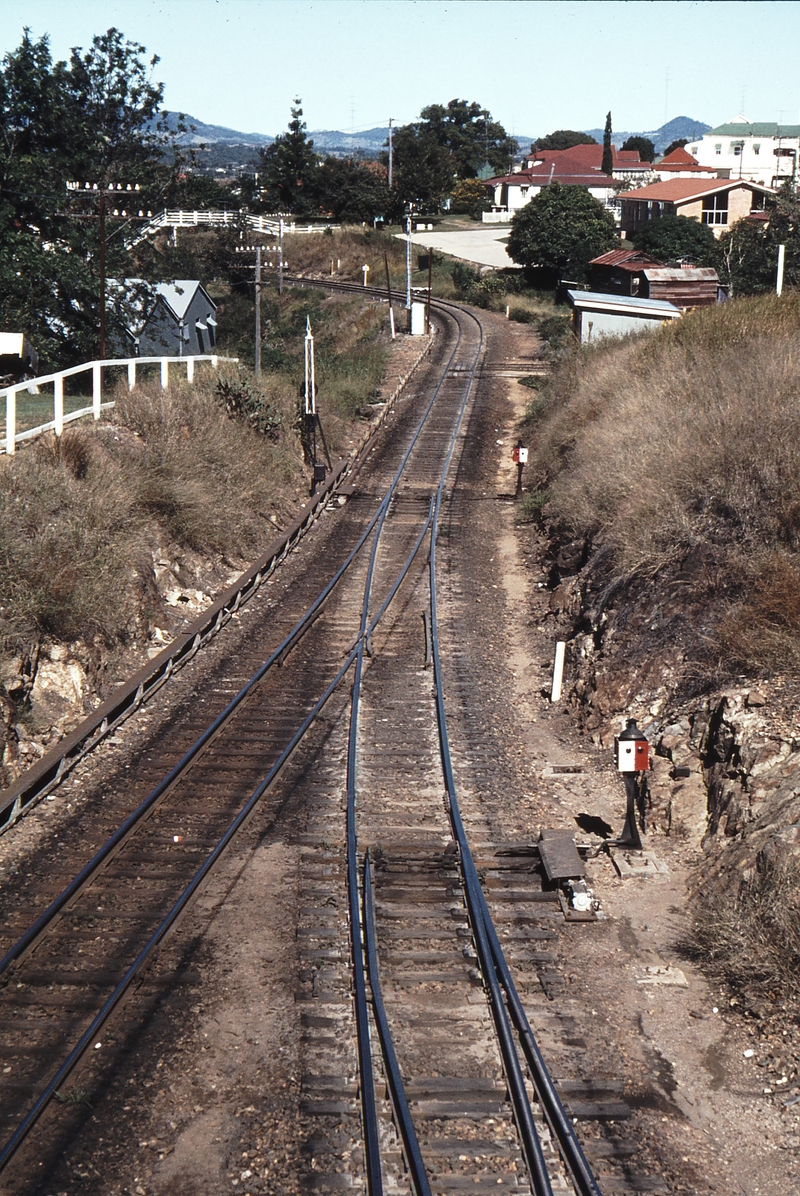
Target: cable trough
x: 336, y: 636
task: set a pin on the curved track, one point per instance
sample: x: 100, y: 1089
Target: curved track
x: 389, y: 783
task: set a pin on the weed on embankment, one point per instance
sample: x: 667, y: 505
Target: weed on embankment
x: 676, y: 457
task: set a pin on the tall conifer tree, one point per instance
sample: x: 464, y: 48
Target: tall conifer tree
x: 607, y: 164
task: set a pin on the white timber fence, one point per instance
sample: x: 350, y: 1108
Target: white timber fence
x: 182, y: 218
x: 16, y: 396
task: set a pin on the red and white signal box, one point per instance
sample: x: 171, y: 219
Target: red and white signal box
x: 631, y: 749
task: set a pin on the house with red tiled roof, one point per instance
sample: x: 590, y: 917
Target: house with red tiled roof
x: 626, y: 167
x: 718, y: 203
x: 514, y: 191
x: 578, y: 166
x: 681, y: 165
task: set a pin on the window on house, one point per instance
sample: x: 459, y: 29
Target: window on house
x: 718, y: 148
x: 759, y: 203
x: 756, y: 148
x: 200, y: 329
x: 715, y: 209
x: 736, y: 147
x: 693, y: 150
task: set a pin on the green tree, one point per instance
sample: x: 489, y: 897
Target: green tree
x: 560, y: 231
x: 607, y: 162
x: 290, y: 167
x: 678, y: 239
x: 95, y: 119
x: 470, y: 196
x: 470, y: 136
x: 448, y: 143
x: 562, y: 139
x: 423, y: 172
x: 749, y: 250
x: 351, y: 191
x: 679, y: 143
x: 647, y: 151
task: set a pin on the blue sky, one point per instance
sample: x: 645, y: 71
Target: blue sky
x: 535, y: 64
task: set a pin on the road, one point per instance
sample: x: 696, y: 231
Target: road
x: 482, y: 246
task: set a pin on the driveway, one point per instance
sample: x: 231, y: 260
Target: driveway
x: 482, y: 246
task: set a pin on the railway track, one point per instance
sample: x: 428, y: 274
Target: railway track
x: 374, y: 769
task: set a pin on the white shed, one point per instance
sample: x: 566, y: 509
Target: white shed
x: 595, y: 315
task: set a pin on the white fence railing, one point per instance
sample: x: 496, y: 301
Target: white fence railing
x: 181, y: 218
x: 11, y: 437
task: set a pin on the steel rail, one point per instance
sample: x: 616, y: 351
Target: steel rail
x: 523, y: 1114
x: 15, y: 1141
x: 369, y: 1113
x: 416, y: 1166
x: 360, y: 950
x: 494, y: 964
x: 357, y: 902
x: 44, y: 1098
x: 58, y: 903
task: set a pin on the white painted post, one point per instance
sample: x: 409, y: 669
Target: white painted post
x: 11, y: 422
x: 97, y: 389
x: 58, y: 404
x: 190, y: 369
x: 558, y: 672
x: 131, y: 375
x: 214, y: 360
x: 164, y: 373
x: 781, y: 260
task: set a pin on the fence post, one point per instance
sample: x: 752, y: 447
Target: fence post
x: 11, y: 422
x: 190, y: 369
x: 131, y: 375
x: 214, y: 360
x: 58, y: 404
x: 164, y: 373
x: 97, y: 388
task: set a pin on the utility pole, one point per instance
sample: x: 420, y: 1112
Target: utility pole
x: 101, y: 192
x: 102, y: 276
x: 408, y: 264
x: 430, y: 281
x: 257, y: 366
x: 390, y: 151
x: 389, y: 292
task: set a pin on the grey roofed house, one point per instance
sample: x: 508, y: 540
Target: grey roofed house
x: 181, y: 322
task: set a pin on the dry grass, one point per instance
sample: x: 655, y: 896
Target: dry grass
x: 81, y: 516
x: 751, y: 940
x: 684, y: 441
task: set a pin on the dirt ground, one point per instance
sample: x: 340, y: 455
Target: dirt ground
x: 659, y: 1022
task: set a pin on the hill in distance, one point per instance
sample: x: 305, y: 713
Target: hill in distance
x: 679, y: 126
x: 373, y: 141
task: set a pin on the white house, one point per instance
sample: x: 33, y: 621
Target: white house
x: 763, y: 152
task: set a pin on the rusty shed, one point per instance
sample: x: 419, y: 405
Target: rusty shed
x: 685, y: 286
